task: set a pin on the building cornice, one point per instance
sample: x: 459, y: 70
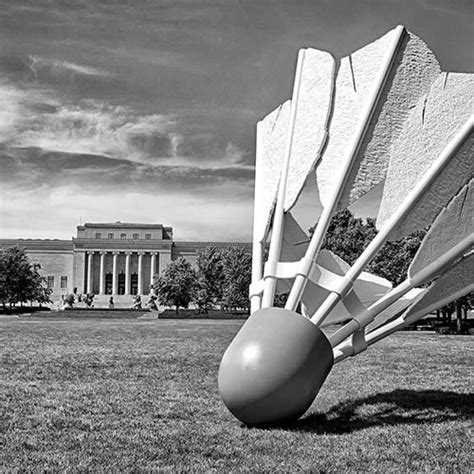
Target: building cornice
x: 120, y: 225
x: 192, y: 244
x: 110, y: 245
x: 38, y: 244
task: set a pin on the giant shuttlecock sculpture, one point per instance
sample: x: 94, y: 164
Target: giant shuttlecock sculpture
x: 389, y: 116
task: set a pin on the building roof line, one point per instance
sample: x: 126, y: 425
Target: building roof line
x: 121, y: 225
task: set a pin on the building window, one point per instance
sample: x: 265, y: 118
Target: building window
x: 110, y: 236
x: 123, y: 236
x: 98, y: 235
x: 50, y: 281
x: 64, y: 282
x: 135, y: 236
x: 147, y: 236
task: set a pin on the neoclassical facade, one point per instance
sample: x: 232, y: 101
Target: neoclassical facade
x: 121, y: 259
x: 109, y: 259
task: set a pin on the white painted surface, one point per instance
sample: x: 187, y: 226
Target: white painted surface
x: 431, y: 125
x: 457, y: 281
x: 311, y: 125
x: 313, y: 109
x: 413, y: 70
x: 452, y: 225
x: 271, y: 139
x: 395, y: 309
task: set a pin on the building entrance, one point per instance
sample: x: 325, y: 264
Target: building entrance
x: 121, y: 284
x: 108, y: 283
x: 134, y: 284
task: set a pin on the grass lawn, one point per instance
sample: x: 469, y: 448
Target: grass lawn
x: 142, y: 395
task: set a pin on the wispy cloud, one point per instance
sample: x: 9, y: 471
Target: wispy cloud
x: 10, y: 110
x: 95, y: 128
x: 18, y: 105
x: 38, y: 64
x: 34, y: 118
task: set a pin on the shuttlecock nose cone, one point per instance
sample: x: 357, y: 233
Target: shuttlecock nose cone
x: 274, y: 367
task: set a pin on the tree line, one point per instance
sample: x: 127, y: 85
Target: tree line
x: 221, y: 276
x: 221, y: 279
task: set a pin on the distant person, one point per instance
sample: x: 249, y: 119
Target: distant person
x: 111, y: 303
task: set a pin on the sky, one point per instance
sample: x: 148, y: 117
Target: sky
x: 145, y: 110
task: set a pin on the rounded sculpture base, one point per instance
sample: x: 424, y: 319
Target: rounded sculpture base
x: 274, y: 367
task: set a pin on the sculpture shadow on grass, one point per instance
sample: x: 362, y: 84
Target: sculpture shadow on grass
x: 399, y: 407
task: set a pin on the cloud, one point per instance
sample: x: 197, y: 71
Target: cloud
x: 31, y: 168
x: 19, y: 107
x: 39, y: 64
x: 221, y: 213
x: 61, y: 160
x: 459, y: 7
x: 35, y: 119
x: 32, y: 119
x: 97, y: 129
x: 10, y: 110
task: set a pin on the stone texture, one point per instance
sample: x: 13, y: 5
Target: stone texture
x: 413, y: 70
x: 431, y: 125
x: 55, y: 263
x: 456, y: 282
x: 453, y: 224
x: 310, y: 132
x: 78, y: 272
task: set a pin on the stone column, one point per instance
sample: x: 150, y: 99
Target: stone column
x: 140, y: 273
x: 152, y: 269
x: 90, y: 256
x: 127, y: 273
x: 114, y: 273
x: 102, y: 276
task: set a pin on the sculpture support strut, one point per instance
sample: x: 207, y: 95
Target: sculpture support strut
x: 410, y: 132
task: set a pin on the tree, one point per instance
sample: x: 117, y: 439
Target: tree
x: 69, y: 300
x: 176, y: 285
x: 394, y: 258
x: 202, y: 297
x: 462, y: 306
x: 237, y: 277
x: 210, y: 273
x: 20, y: 280
x: 88, y: 299
x: 348, y: 236
x: 40, y: 292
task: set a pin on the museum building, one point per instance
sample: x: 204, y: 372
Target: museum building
x: 118, y: 259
